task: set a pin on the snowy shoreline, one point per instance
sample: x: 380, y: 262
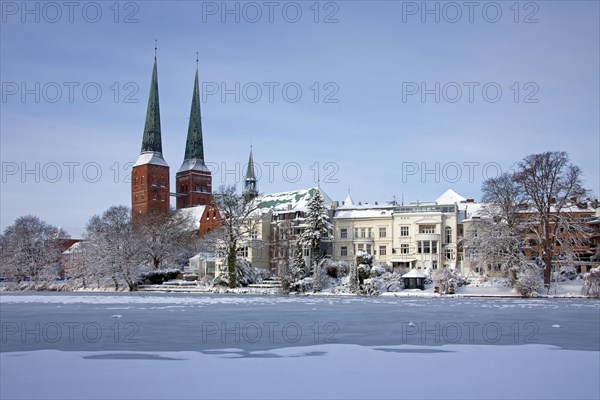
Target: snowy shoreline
x: 262, y: 293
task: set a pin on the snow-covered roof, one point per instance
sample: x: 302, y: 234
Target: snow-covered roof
x: 471, y: 210
x: 413, y: 273
x: 203, y: 256
x: 151, y: 157
x: 194, y: 213
x: 75, y: 247
x: 363, y: 213
x: 348, y: 201
x: 193, y: 165
x: 450, y: 197
x: 295, y: 200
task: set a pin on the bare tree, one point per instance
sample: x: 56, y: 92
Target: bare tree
x: 31, y: 249
x: 501, y: 230
x: 549, y: 182
x: 113, y: 247
x: 238, y: 222
x: 166, y: 239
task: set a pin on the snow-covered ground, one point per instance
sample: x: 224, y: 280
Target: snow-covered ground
x: 134, y: 345
x: 478, y: 286
x: 337, y: 371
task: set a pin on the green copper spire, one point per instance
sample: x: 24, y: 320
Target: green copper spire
x: 152, y: 141
x: 250, y: 171
x: 194, y: 147
x: 250, y: 190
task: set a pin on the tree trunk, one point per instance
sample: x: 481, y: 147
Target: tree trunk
x: 132, y: 286
x: 231, y: 267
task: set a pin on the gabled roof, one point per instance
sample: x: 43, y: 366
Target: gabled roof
x: 413, y: 273
x: 194, y: 213
x: 450, y: 197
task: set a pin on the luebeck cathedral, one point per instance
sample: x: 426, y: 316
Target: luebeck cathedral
x: 150, y: 175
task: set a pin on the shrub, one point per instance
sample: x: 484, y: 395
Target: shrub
x: 591, y: 283
x: 362, y: 257
x: 529, y: 279
x: 337, y: 269
x: 158, y: 277
x: 441, y: 279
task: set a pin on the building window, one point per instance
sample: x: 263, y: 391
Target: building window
x: 363, y: 232
x: 419, y: 247
x: 344, y: 251
x: 434, y: 247
x: 306, y: 252
x: 427, y: 247
x: 361, y: 246
x: 427, y: 229
x: 355, y: 232
x: 404, y: 231
x: 382, y: 232
x: 434, y: 264
x: 253, y: 234
x: 404, y: 248
x: 448, y: 235
x: 382, y: 251
x: 449, y: 254
x: 244, y: 252
x: 370, y: 233
x: 344, y: 233
x: 369, y: 249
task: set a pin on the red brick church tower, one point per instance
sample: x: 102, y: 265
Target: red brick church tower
x: 194, y: 180
x: 150, y: 174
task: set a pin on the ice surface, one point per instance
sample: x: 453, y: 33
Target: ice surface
x: 319, y: 371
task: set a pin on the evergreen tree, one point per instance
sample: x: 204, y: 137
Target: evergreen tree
x: 317, y: 229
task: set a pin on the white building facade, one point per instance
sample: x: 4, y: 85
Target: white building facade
x: 423, y: 235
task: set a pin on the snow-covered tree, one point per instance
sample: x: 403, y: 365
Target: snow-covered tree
x: 114, y: 247
x: 353, y: 278
x: 245, y: 274
x: 529, y: 281
x: 490, y: 242
x: 591, y: 283
x: 317, y: 229
x: 298, y: 266
x: 166, y: 240
x: 549, y: 182
x: 495, y: 239
x: 238, y: 221
x: 31, y: 249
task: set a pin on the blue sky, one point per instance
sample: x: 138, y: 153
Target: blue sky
x: 374, y: 126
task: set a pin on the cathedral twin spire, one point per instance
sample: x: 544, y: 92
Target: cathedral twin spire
x: 151, y: 152
x: 194, y: 147
x: 152, y: 139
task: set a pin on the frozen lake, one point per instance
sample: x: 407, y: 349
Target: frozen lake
x: 162, y: 322
x: 470, y: 347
